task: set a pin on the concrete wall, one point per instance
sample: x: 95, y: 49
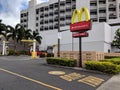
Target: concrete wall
x: 98, y: 39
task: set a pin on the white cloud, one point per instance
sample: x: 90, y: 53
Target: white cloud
x: 10, y: 13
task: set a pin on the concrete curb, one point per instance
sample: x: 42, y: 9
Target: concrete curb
x: 77, y: 68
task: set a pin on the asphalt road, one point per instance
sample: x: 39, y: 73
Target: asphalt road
x: 23, y: 73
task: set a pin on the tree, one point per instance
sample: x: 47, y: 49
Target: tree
x: 36, y: 36
x: 7, y: 32
x: 2, y: 27
x: 116, y: 41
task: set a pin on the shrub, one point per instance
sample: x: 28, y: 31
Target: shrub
x: 11, y: 52
x: 110, y: 57
x: 61, y: 61
x: 22, y: 52
x: 112, y: 60
x: 17, y: 53
x: 106, y: 67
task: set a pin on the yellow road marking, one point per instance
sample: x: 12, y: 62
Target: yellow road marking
x: 56, y: 72
x: 72, y: 76
x: 30, y: 79
x: 92, y: 81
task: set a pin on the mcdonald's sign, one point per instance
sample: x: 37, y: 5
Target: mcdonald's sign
x: 81, y: 25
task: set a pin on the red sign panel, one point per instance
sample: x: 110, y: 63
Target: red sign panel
x: 80, y: 26
x: 84, y: 34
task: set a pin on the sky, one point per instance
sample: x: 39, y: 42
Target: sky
x: 10, y: 10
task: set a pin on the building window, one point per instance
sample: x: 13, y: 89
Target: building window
x: 46, y: 28
x: 62, y: 3
x: 46, y: 22
x: 46, y: 15
x: 68, y: 17
x: 42, y: 15
x: 37, y: 18
x: 21, y: 15
x: 56, y: 5
x: 25, y: 20
x: 42, y: 21
x: 42, y: 9
x: 42, y: 28
x: 94, y: 19
x: 102, y: 20
x: 37, y: 11
x: 51, y: 20
x: 36, y: 24
x: 37, y: 30
x: 46, y: 8
x: 25, y: 14
x: 50, y: 27
x: 21, y: 21
x: 25, y: 26
x: 51, y: 13
x: 51, y: 6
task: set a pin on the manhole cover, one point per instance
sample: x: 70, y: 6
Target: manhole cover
x: 56, y: 72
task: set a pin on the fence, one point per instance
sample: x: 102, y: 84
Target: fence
x: 86, y: 55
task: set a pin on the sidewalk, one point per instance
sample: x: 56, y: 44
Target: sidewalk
x: 111, y: 84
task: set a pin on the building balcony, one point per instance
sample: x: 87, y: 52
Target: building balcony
x: 50, y: 27
x: 93, y: 16
x: 94, y: 19
x: 68, y: 6
x: 111, y: 0
x: 112, y: 6
x: 112, y: 15
x: 102, y: 6
x: 56, y: 12
x: 56, y: 26
x: 42, y: 15
x: 93, y: 7
x: 93, y: 2
x: 73, y: 6
x: 56, y: 5
x: 62, y: 3
x: 102, y: 19
x: 102, y: 14
x: 112, y: 9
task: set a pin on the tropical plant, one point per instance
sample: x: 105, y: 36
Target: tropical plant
x: 2, y: 27
x: 116, y: 41
x: 6, y: 33
x: 36, y: 36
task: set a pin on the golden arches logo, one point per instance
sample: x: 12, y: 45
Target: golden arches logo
x: 79, y: 13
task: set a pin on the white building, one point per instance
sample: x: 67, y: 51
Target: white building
x: 44, y: 18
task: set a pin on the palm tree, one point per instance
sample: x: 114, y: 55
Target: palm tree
x: 27, y: 34
x: 7, y: 32
x: 36, y: 36
x: 2, y: 27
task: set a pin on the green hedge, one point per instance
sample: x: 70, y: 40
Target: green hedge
x: 111, y: 57
x: 112, y: 60
x: 17, y: 53
x: 61, y: 61
x: 106, y: 67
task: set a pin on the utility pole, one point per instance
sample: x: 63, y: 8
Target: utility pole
x: 58, y: 53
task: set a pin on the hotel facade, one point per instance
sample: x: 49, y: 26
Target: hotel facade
x: 43, y: 17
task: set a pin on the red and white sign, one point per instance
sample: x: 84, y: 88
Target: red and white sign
x: 80, y: 26
x: 77, y: 34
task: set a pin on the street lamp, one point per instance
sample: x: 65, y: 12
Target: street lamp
x: 58, y: 53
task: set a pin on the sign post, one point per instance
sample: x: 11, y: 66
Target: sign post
x: 80, y: 28
x: 80, y: 52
